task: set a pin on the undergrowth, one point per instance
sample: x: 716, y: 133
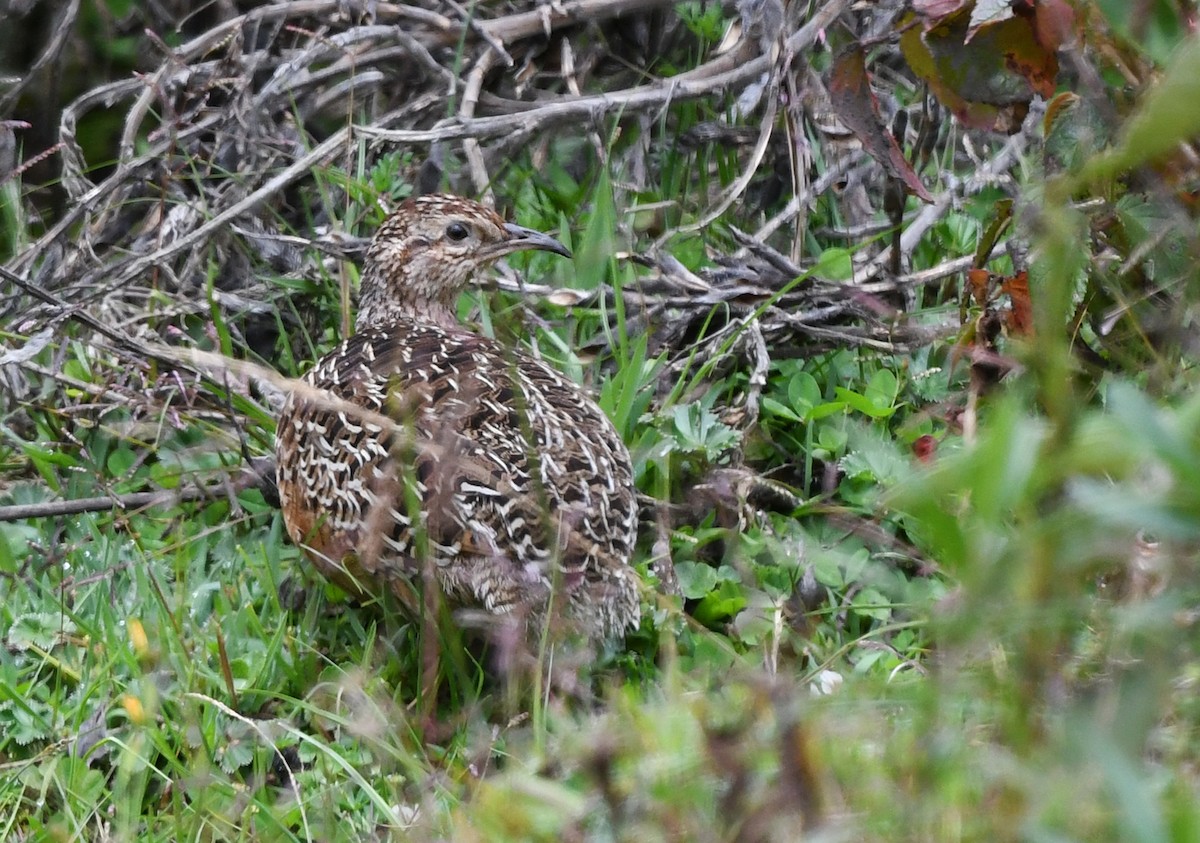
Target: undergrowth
x: 887, y: 594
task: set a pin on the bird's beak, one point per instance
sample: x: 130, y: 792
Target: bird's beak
x: 521, y: 238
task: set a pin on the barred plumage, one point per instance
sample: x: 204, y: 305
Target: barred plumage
x: 482, y: 459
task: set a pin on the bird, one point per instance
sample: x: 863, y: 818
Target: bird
x: 418, y: 444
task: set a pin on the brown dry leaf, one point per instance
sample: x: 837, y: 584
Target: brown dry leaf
x: 1020, y: 318
x: 1056, y: 108
x: 1055, y: 23
x: 858, y: 109
x: 564, y: 297
x: 977, y: 281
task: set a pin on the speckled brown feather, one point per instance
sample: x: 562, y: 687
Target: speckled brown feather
x: 521, y: 485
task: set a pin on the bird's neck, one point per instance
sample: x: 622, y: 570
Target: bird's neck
x: 384, y: 301
x: 375, y: 314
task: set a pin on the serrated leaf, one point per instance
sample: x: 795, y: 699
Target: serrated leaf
x: 856, y: 467
x: 38, y: 629
x: 28, y: 722
x: 25, y: 732
x: 877, y: 459
x: 235, y: 755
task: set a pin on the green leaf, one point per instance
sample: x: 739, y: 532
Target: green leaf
x: 836, y: 264
x: 597, y: 243
x: 827, y: 570
x: 695, y: 579
x: 38, y: 629
x: 876, y: 459
x: 1160, y: 123
x: 775, y: 408
x: 121, y: 461
x: 867, y: 660
x: 863, y: 404
x: 832, y: 439
x: 726, y: 601
x: 27, y: 723
x: 827, y: 409
x: 804, y: 393
x: 871, y: 603
x: 46, y: 457
x: 237, y: 753
x: 882, y: 389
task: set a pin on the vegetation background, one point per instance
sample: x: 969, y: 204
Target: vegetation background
x: 894, y: 303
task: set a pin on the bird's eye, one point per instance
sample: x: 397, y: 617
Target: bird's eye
x: 457, y: 231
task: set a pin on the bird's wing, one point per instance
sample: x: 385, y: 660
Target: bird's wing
x: 512, y: 458
x: 492, y: 458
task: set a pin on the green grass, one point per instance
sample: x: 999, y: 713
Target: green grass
x: 999, y: 644
x: 177, y: 673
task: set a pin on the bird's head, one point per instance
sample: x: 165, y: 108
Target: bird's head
x: 427, y: 251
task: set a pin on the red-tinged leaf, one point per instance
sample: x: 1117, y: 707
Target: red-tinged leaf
x: 1020, y: 318
x: 858, y: 109
x: 990, y: 81
x: 1054, y: 23
x: 1058, y: 106
x: 977, y: 282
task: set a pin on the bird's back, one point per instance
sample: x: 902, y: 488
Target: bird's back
x: 499, y: 470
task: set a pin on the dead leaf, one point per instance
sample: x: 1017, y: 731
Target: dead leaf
x: 1056, y: 108
x: 986, y: 63
x: 977, y: 281
x: 564, y: 297
x: 1020, y: 318
x: 858, y: 109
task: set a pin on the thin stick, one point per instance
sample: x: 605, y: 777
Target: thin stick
x: 479, y: 173
x: 105, y: 503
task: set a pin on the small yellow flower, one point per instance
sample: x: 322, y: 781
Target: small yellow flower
x: 138, y: 639
x: 133, y: 707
